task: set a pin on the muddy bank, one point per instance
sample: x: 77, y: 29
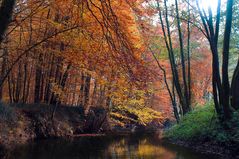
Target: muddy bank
x: 23, y: 123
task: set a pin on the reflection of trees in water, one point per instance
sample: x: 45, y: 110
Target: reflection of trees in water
x: 62, y: 149
x: 183, y: 153
x: 139, y: 148
x: 133, y: 147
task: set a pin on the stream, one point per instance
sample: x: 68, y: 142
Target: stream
x: 128, y: 147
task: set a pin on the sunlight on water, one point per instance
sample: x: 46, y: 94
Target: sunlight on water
x: 143, y: 149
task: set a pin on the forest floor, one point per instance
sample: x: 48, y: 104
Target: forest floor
x: 22, y: 123
x: 201, y: 131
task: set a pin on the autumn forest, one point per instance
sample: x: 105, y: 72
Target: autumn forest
x: 87, y: 70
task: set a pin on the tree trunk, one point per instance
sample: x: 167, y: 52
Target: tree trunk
x: 81, y: 96
x: 47, y: 95
x: 38, y: 79
x: 225, y: 53
x: 94, y: 98
x: 171, y: 94
x: 185, y: 83
x: 87, y: 91
x: 235, y: 88
x: 4, y: 64
x: 18, y: 83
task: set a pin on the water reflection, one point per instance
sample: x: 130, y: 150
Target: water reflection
x: 103, y: 148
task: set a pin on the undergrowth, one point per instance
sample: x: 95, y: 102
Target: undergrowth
x: 202, y: 124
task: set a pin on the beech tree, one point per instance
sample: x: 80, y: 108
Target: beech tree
x: 76, y: 53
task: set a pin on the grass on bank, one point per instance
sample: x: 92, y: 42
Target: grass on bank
x: 202, y: 125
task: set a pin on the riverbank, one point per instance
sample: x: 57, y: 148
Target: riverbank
x: 22, y: 123
x: 201, y: 131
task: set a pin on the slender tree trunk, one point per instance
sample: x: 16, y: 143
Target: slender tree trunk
x: 189, y: 56
x: 65, y: 76
x: 13, y: 83
x: 47, y: 96
x: 101, y: 97
x: 19, y: 83
x: 38, y: 79
x: 94, y: 98
x: 28, y: 85
x: 42, y: 86
x: 63, y: 80
x: 87, y: 91
x: 25, y: 82
x: 235, y: 88
x: 168, y: 43
x: 81, y: 96
x: 3, y: 71
x: 185, y: 83
x: 225, y: 53
x: 173, y: 100
x: 10, y: 89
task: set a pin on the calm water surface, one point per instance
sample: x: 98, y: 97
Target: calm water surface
x: 132, y: 147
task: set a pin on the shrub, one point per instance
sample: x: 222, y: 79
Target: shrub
x: 200, y: 123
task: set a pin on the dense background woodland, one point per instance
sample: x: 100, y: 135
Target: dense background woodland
x: 142, y: 61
